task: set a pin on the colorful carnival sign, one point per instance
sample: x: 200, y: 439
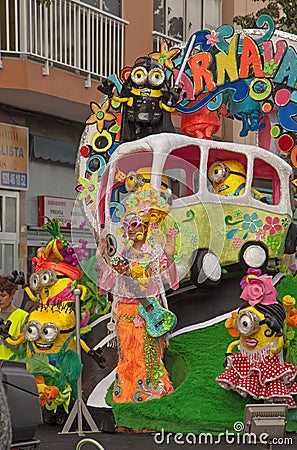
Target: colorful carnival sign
x: 248, y: 76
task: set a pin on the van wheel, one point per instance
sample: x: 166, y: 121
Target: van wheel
x: 253, y: 254
x: 206, y: 268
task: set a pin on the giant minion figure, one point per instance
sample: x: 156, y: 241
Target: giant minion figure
x: 50, y: 337
x: 229, y: 178
x: 146, y: 98
x: 258, y: 369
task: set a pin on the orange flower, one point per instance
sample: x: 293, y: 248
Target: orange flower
x: 230, y: 325
x: 165, y: 55
x: 292, y: 319
x: 51, y: 392
x: 100, y: 115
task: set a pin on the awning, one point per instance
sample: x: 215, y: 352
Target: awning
x: 54, y: 150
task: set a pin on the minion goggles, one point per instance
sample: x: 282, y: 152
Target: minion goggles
x: 219, y: 172
x: 48, y: 331
x: 248, y: 322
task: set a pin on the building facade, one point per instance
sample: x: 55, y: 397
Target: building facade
x: 51, y: 62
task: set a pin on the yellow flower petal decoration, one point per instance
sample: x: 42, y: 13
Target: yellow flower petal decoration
x: 100, y: 115
x: 288, y: 302
x: 165, y: 56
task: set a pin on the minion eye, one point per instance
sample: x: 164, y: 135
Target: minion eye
x: 47, y: 277
x: 247, y: 323
x: 218, y: 172
x: 34, y: 282
x: 139, y: 76
x: 31, y: 331
x: 49, y: 332
x: 156, y: 77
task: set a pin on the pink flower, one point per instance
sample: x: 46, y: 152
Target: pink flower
x: 251, y: 273
x: 172, y: 232
x: 272, y: 225
x: 260, y: 235
x: 237, y: 242
x: 146, y: 248
x: 138, y: 321
x: 145, y: 207
x: 259, y: 290
x: 212, y: 38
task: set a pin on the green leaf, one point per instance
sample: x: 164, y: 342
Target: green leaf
x: 290, y: 335
x: 39, y: 363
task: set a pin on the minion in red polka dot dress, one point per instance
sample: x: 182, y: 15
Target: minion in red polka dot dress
x: 258, y: 369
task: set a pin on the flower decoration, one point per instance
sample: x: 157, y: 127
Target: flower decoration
x: 161, y: 202
x: 292, y: 319
x: 273, y: 242
x: 272, y: 225
x: 213, y: 38
x: 252, y: 222
x: 288, y: 302
x: 230, y: 325
x: 131, y: 201
x: 251, y: 273
x: 260, y: 235
x: 165, y: 56
x: 186, y: 230
x: 237, y: 242
x: 270, y: 67
x: 145, y: 207
x: 88, y: 187
x: 146, y: 248
x: 172, y: 232
x: 138, y: 321
x: 100, y: 115
x: 168, y: 321
x: 259, y: 290
x: 237, y: 213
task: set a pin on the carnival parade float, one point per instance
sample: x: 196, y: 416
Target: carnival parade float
x: 167, y: 205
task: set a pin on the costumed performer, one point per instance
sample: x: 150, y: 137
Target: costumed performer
x: 12, y: 319
x: 258, y: 368
x: 140, y: 373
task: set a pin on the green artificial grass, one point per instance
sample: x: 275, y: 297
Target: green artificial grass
x: 198, y: 404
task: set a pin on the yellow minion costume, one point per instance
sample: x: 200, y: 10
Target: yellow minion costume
x: 229, y: 178
x: 258, y: 368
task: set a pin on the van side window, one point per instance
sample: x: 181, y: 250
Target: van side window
x: 265, y: 183
x: 226, y: 172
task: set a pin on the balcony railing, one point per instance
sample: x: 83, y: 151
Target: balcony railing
x: 68, y: 34
x: 172, y: 42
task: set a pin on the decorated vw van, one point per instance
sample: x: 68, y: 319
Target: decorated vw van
x: 218, y: 209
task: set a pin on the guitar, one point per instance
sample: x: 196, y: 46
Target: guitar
x: 159, y: 320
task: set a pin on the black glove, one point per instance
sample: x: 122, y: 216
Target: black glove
x: 4, y: 328
x: 106, y: 88
x: 97, y: 357
x: 264, y: 200
x: 17, y: 277
x: 226, y: 360
x: 171, y: 96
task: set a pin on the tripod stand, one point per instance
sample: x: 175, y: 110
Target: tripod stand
x: 79, y: 409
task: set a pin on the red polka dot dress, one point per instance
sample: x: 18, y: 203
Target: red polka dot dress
x: 260, y: 375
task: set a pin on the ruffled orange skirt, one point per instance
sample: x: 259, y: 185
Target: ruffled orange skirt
x: 140, y: 373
